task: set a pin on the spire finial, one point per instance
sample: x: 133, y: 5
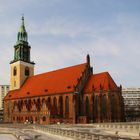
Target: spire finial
x: 88, y: 59
x: 22, y: 18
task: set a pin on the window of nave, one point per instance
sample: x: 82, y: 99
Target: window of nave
x: 38, y: 105
x: 55, y: 106
x: 29, y: 105
x: 104, y: 106
x: 60, y: 106
x: 87, y: 106
x: 67, y: 107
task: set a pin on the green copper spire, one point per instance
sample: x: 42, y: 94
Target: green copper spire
x: 22, y: 34
x: 22, y: 47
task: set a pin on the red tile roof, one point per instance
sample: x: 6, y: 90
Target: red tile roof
x: 103, y: 80
x: 58, y: 81
x: 61, y: 81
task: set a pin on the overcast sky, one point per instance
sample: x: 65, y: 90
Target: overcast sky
x: 62, y: 32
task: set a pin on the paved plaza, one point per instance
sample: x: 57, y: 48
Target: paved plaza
x: 7, y: 137
x: 108, y: 131
x: 26, y: 133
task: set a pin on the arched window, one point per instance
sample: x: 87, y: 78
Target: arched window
x: 104, y: 107
x: 48, y: 103
x: 38, y: 104
x: 93, y: 117
x: 60, y: 106
x: 80, y: 105
x: 27, y: 73
x: 113, y: 108
x: 15, y: 71
x: 29, y: 105
x: 87, y: 106
x: 96, y: 107
x: 67, y: 107
x: 54, y: 106
x: 19, y: 106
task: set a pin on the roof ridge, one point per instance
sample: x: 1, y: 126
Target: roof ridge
x: 105, y: 77
x: 110, y: 78
x: 105, y: 72
x: 57, y: 70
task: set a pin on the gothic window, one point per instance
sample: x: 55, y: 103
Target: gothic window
x: 19, y: 106
x: 104, y: 107
x: 29, y: 105
x: 25, y: 54
x: 38, y: 105
x: 27, y: 73
x: 93, y: 108
x: 80, y: 108
x: 15, y: 71
x: 87, y: 106
x: 67, y: 106
x: 60, y: 106
x: 96, y: 106
x: 113, y: 108
x: 48, y: 103
x: 55, y: 106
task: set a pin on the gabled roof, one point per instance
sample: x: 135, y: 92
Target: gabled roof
x: 100, y: 80
x: 58, y: 81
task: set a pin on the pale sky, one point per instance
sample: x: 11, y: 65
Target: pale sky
x: 62, y: 32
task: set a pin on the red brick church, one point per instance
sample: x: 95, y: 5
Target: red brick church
x: 68, y: 95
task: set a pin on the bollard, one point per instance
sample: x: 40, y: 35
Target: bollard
x: 71, y: 134
x: 102, y: 138
x: 76, y: 135
x: 58, y: 131
x: 110, y: 138
x: 82, y: 136
x: 95, y: 137
x: 88, y: 136
x: 61, y: 132
x: 68, y: 133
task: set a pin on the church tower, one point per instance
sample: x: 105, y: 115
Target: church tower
x: 21, y: 66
